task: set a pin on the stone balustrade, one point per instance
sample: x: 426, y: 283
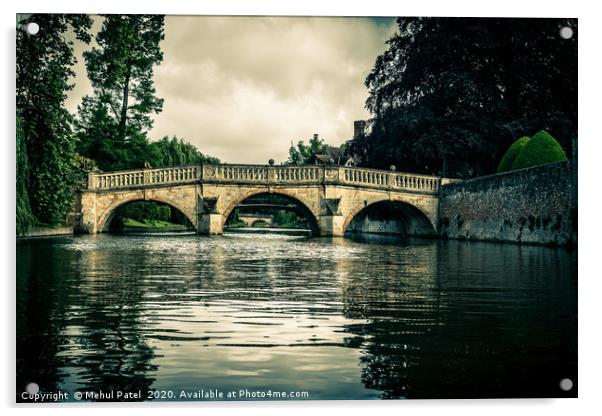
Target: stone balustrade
x: 143, y: 177
x: 269, y: 175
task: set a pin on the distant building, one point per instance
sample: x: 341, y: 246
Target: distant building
x: 338, y: 155
x: 331, y: 156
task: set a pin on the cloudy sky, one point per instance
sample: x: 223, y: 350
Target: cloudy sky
x: 243, y: 88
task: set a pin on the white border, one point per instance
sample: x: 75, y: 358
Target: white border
x: 590, y: 151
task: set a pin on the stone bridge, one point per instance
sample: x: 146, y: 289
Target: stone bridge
x: 251, y: 219
x: 330, y: 197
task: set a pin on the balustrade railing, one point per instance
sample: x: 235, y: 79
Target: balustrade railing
x: 392, y: 180
x: 144, y: 177
x: 370, y: 178
x: 296, y: 174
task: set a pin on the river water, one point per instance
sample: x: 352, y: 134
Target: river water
x: 312, y: 317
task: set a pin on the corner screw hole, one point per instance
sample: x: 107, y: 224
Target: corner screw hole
x: 32, y: 388
x: 566, y: 32
x: 31, y: 28
x: 566, y: 384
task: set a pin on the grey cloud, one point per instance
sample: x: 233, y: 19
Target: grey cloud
x: 243, y: 88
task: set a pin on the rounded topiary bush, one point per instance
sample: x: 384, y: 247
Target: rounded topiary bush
x: 539, y: 150
x: 511, y: 154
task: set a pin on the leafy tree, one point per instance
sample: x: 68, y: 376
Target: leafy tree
x: 510, y: 155
x: 177, y: 152
x: 449, y: 95
x: 539, y: 150
x: 299, y: 154
x: 113, y: 122
x: 48, y: 153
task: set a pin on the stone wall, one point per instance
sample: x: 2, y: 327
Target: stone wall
x: 536, y: 205
x: 47, y: 231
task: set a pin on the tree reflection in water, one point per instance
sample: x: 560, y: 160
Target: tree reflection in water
x: 462, y: 332
x: 341, y: 318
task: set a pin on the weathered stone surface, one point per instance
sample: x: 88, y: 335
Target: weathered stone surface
x: 251, y: 219
x: 98, y: 208
x: 536, y: 205
x: 331, y: 196
x: 47, y: 232
x: 392, y: 217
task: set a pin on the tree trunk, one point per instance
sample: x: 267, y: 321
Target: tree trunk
x: 124, y: 107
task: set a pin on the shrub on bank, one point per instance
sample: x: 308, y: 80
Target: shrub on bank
x: 511, y: 154
x: 539, y: 150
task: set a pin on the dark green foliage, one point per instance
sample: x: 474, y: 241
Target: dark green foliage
x: 177, y: 152
x: 121, y: 72
x: 450, y: 94
x: 511, y: 154
x: 288, y: 219
x: 44, y: 65
x: 146, y: 210
x: 178, y: 218
x: 298, y: 155
x: 25, y: 218
x: 113, y: 122
x: 138, y: 151
x: 540, y: 150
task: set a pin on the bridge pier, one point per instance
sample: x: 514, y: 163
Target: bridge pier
x: 330, y: 195
x: 331, y: 225
x: 210, y: 224
x: 87, y: 205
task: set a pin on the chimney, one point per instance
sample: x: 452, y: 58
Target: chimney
x: 359, y: 128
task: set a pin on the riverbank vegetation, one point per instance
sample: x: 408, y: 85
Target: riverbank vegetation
x: 447, y: 97
x: 149, y: 215
x: 48, y: 158
x: 56, y: 149
x: 450, y: 95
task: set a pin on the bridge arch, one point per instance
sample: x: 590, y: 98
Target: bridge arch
x: 107, y: 216
x: 410, y: 219
x: 311, y: 216
x: 332, y: 196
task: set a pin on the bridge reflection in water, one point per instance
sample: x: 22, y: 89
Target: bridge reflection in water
x: 338, y: 318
